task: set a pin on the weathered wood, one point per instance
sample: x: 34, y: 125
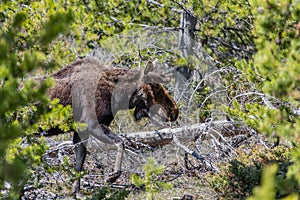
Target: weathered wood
x: 186, y: 43
x: 217, y: 129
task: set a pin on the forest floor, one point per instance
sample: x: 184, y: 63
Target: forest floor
x: 187, y: 175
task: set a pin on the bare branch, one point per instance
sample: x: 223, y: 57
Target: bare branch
x: 193, y: 153
x: 155, y: 3
x: 266, y: 99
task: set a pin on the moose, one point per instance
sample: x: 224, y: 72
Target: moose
x: 96, y: 92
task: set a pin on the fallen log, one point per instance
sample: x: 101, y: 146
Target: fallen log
x: 204, y: 131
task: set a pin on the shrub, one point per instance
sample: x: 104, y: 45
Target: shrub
x: 151, y: 180
x: 238, y: 178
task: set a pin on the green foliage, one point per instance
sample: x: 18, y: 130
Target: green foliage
x: 42, y: 22
x: 60, y: 117
x: 57, y: 24
x: 150, y: 179
x: 119, y: 15
x: 273, y: 75
x: 276, y: 59
x: 21, y: 102
x: 225, y: 30
x: 95, y: 21
x: 267, y: 188
x: 275, y: 62
x: 238, y: 178
x: 268, y: 120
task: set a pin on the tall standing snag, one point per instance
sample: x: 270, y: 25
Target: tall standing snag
x: 97, y: 92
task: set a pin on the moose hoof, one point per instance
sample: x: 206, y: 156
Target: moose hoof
x: 113, y: 177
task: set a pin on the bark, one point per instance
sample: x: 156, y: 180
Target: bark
x: 187, y: 33
x: 186, y: 44
x: 204, y: 131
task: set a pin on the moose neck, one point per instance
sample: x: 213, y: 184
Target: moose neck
x: 125, y: 87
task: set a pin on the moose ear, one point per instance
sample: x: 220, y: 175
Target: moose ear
x: 153, y: 75
x: 149, y: 67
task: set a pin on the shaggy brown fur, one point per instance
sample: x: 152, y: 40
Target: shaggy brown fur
x: 97, y: 92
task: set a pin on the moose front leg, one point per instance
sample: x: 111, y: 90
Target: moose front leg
x: 117, y: 170
x: 104, y: 134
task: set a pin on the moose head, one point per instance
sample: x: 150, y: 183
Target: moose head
x: 151, y: 99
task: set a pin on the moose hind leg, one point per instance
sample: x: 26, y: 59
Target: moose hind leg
x: 80, y: 153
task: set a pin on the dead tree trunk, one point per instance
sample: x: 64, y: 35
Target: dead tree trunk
x: 187, y: 33
x: 186, y: 43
